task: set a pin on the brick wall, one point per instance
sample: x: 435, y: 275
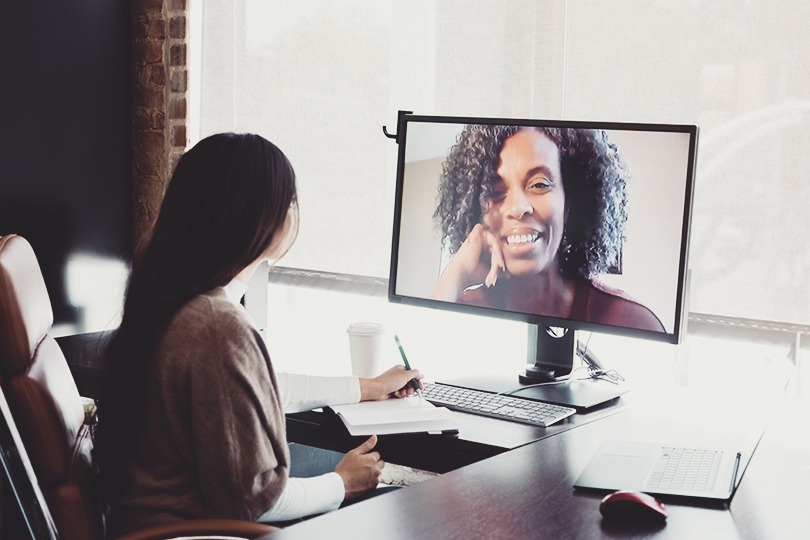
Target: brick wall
x: 160, y: 81
x: 178, y: 80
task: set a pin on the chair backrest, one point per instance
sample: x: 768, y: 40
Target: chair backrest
x: 42, y: 395
x: 32, y: 519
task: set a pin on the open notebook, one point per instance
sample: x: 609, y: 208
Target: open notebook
x: 395, y: 416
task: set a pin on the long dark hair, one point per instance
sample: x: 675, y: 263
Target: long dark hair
x: 228, y: 200
x: 594, y: 179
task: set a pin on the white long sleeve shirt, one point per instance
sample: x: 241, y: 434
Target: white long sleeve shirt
x: 306, y: 496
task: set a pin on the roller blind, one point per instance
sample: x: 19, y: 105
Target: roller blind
x: 320, y: 79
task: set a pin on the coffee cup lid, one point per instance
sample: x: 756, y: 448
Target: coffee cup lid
x: 366, y: 328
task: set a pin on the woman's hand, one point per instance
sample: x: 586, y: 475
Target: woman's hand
x: 396, y: 382
x: 478, y: 260
x: 360, y: 469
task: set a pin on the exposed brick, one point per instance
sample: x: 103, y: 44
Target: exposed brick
x: 149, y: 141
x: 159, y: 131
x: 177, y: 5
x: 141, y: 119
x: 157, y: 74
x: 147, y: 6
x: 147, y: 52
x: 151, y: 98
x: 137, y: 73
x: 143, y: 219
x: 146, y: 200
x: 149, y: 149
x: 158, y: 120
x: 177, y: 55
x: 145, y: 163
x: 149, y: 75
x: 149, y: 164
x: 177, y: 109
x: 139, y: 28
x: 177, y: 28
x: 178, y: 138
x: 179, y: 82
x: 146, y: 190
x: 157, y: 27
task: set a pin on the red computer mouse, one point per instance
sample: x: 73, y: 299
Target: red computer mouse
x: 632, y: 506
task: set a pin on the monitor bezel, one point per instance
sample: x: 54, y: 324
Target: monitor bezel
x: 678, y: 331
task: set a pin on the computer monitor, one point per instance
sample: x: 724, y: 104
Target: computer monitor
x: 566, y: 225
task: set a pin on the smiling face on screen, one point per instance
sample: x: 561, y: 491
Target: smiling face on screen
x: 527, y: 210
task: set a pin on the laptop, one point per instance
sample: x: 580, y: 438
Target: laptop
x: 709, y: 473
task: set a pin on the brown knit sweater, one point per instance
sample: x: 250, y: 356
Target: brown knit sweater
x: 213, y: 443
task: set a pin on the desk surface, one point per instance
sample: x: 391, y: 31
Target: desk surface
x: 526, y: 490
x: 524, y: 493
x: 478, y: 438
x: 512, y: 481
x: 527, y: 493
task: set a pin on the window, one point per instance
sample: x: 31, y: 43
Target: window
x: 321, y: 78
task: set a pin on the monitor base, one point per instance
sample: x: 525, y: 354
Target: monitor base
x: 536, y: 374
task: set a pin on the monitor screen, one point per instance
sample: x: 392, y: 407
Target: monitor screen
x: 578, y: 225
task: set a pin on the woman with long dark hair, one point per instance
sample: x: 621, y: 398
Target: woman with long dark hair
x: 191, y: 424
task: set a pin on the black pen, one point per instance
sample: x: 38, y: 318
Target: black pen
x: 734, y: 472
x: 414, y: 382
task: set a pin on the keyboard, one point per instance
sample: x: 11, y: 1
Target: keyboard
x: 525, y: 411
x: 685, y: 468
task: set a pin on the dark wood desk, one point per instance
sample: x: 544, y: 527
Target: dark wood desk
x: 526, y: 490
x: 506, y: 480
x: 524, y: 493
x: 527, y: 493
x: 478, y: 438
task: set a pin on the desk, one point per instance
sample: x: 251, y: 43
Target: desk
x: 479, y: 438
x: 525, y: 491
x: 506, y: 480
x: 773, y: 500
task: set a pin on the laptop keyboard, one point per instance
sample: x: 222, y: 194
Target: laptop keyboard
x: 685, y: 468
x: 525, y: 411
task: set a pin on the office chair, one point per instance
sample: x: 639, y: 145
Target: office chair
x: 44, y: 442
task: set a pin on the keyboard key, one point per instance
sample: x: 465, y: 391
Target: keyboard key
x: 685, y: 468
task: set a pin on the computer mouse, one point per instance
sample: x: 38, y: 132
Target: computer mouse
x: 632, y: 506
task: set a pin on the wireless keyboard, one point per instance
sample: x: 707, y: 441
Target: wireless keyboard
x: 525, y: 411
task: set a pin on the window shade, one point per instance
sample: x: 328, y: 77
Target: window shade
x: 321, y: 78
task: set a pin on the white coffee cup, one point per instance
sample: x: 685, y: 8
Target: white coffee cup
x: 365, y: 343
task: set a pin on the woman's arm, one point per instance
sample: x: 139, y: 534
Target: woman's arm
x: 307, y: 496
x: 357, y: 473
x: 306, y: 392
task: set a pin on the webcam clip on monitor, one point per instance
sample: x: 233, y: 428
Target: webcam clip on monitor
x: 565, y: 225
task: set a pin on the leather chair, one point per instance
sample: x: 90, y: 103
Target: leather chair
x: 44, y: 418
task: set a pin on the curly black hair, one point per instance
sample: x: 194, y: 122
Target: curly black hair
x: 594, y: 179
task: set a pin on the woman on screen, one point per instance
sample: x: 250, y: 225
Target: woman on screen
x: 531, y: 216
x: 191, y: 424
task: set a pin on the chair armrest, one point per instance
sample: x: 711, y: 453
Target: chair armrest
x: 203, y: 527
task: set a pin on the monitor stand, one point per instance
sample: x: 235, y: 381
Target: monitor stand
x: 551, y: 353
